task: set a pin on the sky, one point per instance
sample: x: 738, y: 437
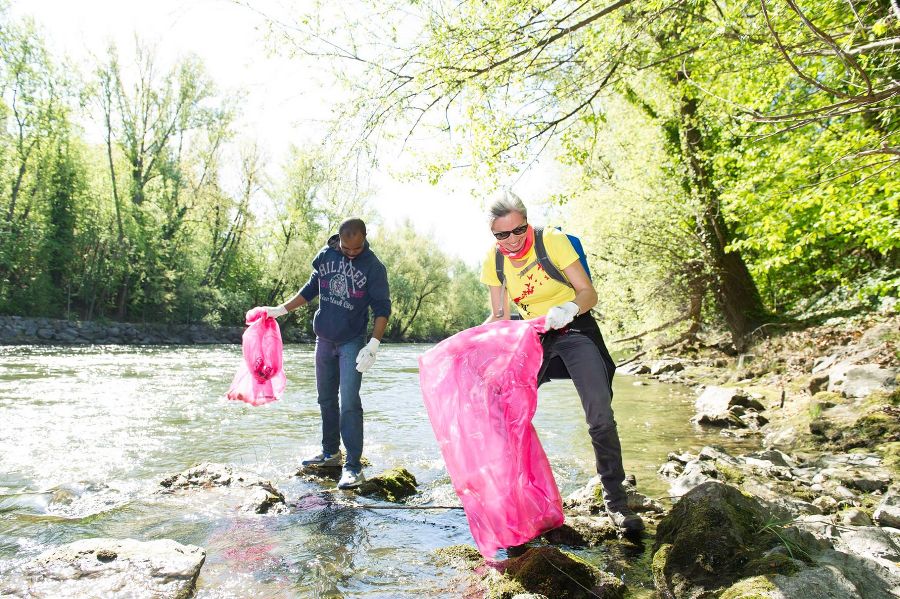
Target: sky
x: 286, y: 100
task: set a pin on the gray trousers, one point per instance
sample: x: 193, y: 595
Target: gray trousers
x: 589, y: 372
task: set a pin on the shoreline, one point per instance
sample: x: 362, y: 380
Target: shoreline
x: 22, y: 330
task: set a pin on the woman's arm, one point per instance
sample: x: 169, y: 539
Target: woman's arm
x: 585, y: 294
x: 499, y: 304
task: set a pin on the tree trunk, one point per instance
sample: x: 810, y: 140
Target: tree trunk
x: 736, y: 293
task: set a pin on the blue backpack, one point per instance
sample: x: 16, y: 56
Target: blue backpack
x: 544, y: 260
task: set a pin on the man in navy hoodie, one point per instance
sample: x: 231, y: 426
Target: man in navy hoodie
x: 349, y: 279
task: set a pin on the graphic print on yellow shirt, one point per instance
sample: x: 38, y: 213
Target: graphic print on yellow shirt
x: 532, y: 289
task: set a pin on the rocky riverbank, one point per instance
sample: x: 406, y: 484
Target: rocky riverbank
x: 18, y: 330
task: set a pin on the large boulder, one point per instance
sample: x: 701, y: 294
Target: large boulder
x: 712, y: 538
x: 728, y: 407
x: 159, y: 569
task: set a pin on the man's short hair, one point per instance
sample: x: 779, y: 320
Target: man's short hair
x: 352, y: 226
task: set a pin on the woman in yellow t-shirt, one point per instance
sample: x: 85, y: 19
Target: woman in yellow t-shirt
x: 573, y: 346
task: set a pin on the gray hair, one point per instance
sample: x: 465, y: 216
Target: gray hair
x: 506, y: 202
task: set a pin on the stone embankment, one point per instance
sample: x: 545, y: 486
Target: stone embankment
x: 17, y: 330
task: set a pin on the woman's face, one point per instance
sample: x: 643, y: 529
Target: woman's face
x: 514, y: 220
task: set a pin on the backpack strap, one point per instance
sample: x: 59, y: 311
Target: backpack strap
x: 546, y: 263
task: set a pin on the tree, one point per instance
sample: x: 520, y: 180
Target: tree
x: 508, y: 79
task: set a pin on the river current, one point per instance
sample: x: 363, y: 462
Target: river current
x: 87, y: 434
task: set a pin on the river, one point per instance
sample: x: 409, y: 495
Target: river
x: 87, y: 433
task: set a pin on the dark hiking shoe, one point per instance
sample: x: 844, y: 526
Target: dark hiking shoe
x: 625, y: 519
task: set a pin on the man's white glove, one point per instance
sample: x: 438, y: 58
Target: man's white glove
x: 275, y: 311
x: 560, y: 316
x: 366, y: 356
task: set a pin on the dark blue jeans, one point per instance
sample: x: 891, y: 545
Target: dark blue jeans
x: 336, y: 372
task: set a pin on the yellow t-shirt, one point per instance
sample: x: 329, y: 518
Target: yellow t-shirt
x: 531, y: 289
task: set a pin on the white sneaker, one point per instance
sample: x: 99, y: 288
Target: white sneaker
x: 327, y: 460
x: 350, y: 479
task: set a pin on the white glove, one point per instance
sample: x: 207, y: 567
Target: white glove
x: 366, y: 356
x: 560, y: 316
x: 275, y: 312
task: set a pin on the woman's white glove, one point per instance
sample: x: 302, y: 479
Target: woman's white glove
x: 275, y: 311
x: 366, y: 356
x: 560, y: 316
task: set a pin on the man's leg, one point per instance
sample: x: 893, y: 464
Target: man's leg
x: 351, y: 404
x: 327, y: 381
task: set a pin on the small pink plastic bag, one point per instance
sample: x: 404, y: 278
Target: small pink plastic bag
x: 260, y: 377
x: 480, y: 390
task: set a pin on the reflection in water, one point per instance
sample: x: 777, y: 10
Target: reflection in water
x: 88, y: 433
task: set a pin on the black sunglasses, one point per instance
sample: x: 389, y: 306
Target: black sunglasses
x: 517, y: 231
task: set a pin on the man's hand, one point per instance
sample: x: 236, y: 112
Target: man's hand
x: 560, y: 316
x: 275, y: 311
x: 366, y: 356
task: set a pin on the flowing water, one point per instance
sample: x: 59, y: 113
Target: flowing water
x: 87, y: 433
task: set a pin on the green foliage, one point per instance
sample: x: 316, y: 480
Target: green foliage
x: 756, y: 168
x: 432, y: 297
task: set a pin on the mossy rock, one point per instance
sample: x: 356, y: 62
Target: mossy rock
x: 462, y: 555
x: 769, y: 565
x: 729, y: 473
x: 829, y: 397
x: 392, y: 485
x: 757, y: 587
x: 707, y: 540
x: 554, y: 573
x: 500, y: 586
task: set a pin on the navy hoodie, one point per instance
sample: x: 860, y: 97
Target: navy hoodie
x: 347, y: 288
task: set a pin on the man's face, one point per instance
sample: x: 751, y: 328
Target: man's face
x: 352, y: 244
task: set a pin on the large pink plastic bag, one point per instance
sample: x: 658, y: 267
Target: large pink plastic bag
x: 480, y: 390
x: 260, y: 377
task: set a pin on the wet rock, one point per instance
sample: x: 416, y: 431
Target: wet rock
x: 263, y: 497
x: 393, y: 485
x: 861, y: 380
x: 460, y: 556
x: 110, y: 568
x: 550, y: 572
x: 208, y: 475
x: 888, y: 511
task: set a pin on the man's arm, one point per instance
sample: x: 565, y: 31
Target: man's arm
x: 379, y: 327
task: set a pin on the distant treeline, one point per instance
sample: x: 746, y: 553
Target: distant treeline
x: 114, y: 203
